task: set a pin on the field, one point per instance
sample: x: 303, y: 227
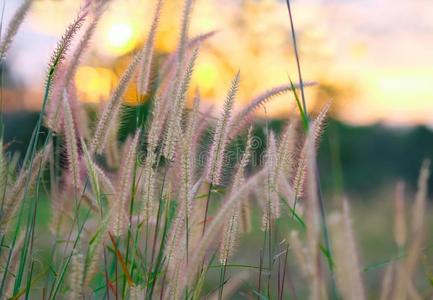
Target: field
x: 170, y: 198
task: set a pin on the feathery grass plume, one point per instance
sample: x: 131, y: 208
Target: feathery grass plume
x: 149, y: 173
x: 156, y: 125
x: 175, y: 114
x: 216, y: 156
x: 200, y: 127
x: 285, y: 153
x: 347, y: 270
x: 184, y: 28
x: 183, y: 217
x: 176, y: 240
x: 76, y: 276
x: 230, y: 233
x: 63, y: 82
x: 239, y: 177
x: 271, y: 207
x: 66, y: 40
x: 112, y: 108
x: 187, y: 193
x: 177, y: 246
x: 71, y: 144
x: 91, y: 171
x: 246, y: 115
x: 170, y: 62
x: 54, y: 110
x: 386, y: 290
x: 399, y: 216
x: 55, y: 84
x: 128, y: 169
x: 312, y: 216
x: 218, y: 221
x: 119, y: 220
x: 25, y: 179
x: 406, y: 270
x: 146, y: 65
x: 177, y: 82
x: 272, y: 160
x: 187, y: 158
x: 231, y: 225
x: 74, y: 61
x: 13, y: 27
x: 317, y: 129
x: 149, y: 178
x: 13, y: 266
x: 319, y: 123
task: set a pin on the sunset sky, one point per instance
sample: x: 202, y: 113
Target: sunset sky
x: 379, y: 51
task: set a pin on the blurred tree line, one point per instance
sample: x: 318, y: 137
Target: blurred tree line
x: 352, y: 159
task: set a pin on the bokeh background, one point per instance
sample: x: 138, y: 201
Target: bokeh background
x: 371, y: 58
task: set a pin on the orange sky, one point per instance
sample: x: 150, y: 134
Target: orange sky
x: 378, y: 50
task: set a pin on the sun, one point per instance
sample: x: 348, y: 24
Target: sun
x: 121, y: 37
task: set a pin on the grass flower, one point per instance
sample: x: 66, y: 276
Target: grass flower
x: 13, y: 27
x: 172, y: 243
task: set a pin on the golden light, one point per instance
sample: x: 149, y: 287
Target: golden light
x: 205, y: 76
x: 254, y: 37
x: 121, y: 37
x: 94, y: 84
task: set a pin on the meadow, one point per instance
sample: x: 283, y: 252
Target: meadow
x: 167, y: 199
